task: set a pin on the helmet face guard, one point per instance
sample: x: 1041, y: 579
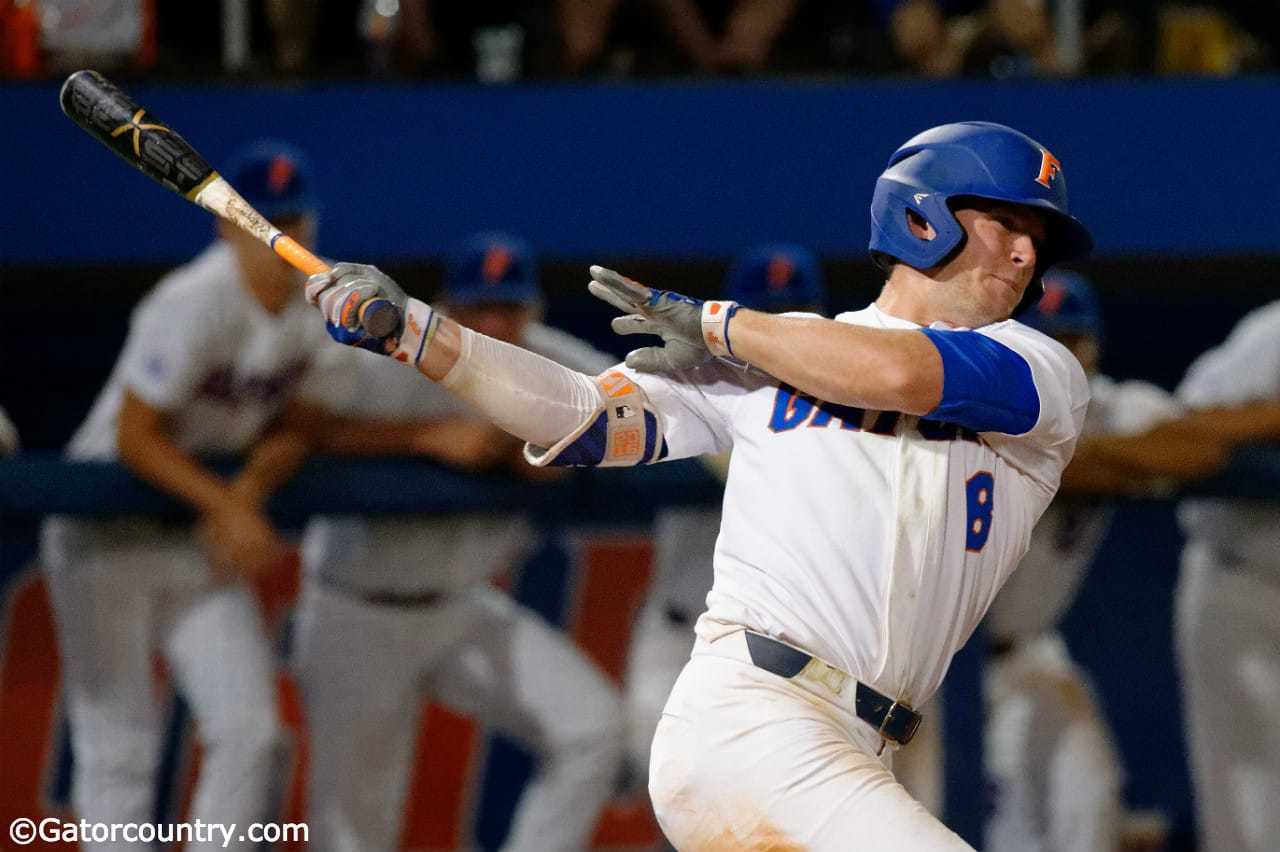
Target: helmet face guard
x: 974, y: 159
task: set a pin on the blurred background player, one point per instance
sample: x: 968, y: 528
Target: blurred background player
x: 1051, y: 761
x: 8, y: 435
x: 214, y: 356
x: 778, y: 278
x: 398, y: 611
x: 1227, y: 616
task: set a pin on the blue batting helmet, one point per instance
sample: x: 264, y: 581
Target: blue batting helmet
x: 492, y: 267
x: 975, y: 159
x: 1069, y: 306
x: 777, y: 277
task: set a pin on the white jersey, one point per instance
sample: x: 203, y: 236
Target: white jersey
x: 202, y: 348
x: 852, y: 533
x: 1243, y: 369
x: 417, y: 555
x: 1071, y: 530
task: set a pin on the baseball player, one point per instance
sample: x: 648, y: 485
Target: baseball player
x: 214, y: 355
x: 888, y: 468
x: 395, y: 611
x: 774, y: 277
x: 1044, y: 729
x: 1228, y: 597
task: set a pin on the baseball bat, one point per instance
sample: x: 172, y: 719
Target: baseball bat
x: 147, y: 143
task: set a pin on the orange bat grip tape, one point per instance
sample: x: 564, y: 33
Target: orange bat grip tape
x: 298, y: 257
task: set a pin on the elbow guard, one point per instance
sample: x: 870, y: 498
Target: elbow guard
x: 623, y: 430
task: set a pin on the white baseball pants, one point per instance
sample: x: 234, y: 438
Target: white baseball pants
x: 365, y: 670
x: 120, y: 594
x: 1050, y: 757
x: 1227, y: 623
x: 746, y: 760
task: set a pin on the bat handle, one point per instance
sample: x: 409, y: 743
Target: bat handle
x: 378, y: 317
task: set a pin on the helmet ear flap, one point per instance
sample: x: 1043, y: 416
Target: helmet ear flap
x: 891, y: 232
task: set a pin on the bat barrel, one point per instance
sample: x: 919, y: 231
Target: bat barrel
x: 147, y: 143
x: 144, y: 141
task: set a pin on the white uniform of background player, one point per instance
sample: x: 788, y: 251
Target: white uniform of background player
x: 396, y: 611
x: 1227, y: 617
x: 214, y: 354
x: 860, y: 546
x: 774, y: 277
x: 1051, y: 763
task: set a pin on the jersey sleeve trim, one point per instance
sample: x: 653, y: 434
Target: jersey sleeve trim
x: 986, y: 386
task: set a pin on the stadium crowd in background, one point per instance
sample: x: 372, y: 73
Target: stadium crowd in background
x: 501, y: 41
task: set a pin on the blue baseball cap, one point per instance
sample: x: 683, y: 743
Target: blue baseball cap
x: 274, y: 177
x: 492, y: 267
x: 777, y: 276
x: 1069, y: 306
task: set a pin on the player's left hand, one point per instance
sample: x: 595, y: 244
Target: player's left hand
x: 692, y: 331
x: 340, y: 292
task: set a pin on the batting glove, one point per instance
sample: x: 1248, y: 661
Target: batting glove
x: 343, y: 290
x: 692, y: 331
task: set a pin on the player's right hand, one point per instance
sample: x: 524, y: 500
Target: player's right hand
x: 692, y: 331
x: 240, y: 541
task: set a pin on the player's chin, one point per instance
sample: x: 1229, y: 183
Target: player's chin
x: 1003, y: 296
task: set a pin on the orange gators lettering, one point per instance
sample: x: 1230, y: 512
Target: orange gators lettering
x: 615, y: 384
x: 627, y: 443
x: 1050, y: 168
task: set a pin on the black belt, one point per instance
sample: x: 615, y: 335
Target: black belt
x: 405, y: 600
x: 892, y: 719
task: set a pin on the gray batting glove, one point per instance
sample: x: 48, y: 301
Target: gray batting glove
x: 688, y: 339
x: 342, y: 291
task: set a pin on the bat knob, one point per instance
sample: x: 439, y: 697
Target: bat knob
x: 379, y: 318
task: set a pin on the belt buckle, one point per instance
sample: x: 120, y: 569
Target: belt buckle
x: 830, y: 677
x: 913, y: 724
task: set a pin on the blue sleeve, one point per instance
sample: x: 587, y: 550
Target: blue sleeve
x: 986, y: 386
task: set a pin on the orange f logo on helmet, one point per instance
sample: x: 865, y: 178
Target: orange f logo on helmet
x: 1050, y: 168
